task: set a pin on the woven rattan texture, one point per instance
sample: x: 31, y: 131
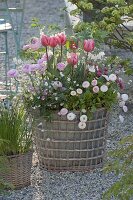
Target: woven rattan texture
x: 19, y: 170
x: 61, y: 145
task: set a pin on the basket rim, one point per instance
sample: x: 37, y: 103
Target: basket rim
x: 75, y: 111
x: 73, y: 122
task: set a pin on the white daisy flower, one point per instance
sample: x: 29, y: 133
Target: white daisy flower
x: 68, y: 79
x: 124, y: 97
x: 83, y: 118
x: 85, y: 84
x: 83, y: 111
x: 108, y: 83
x: 73, y: 93
x: 122, y: 103
x: 112, y: 77
x: 104, y: 88
x: 106, y: 77
x: 61, y: 74
x: 125, y: 109
x: 94, y: 82
x: 46, y: 83
x: 71, y: 116
x: 118, y: 95
x: 79, y: 91
x: 82, y: 125
x: 91, y: 68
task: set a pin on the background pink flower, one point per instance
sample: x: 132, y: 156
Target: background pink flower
x: 12, y: 73
x: 49, y: 56
x: 42, y: 63
x: 26, y: 47
x: 26, y: 69
x: 61, y: 66
x: 35, y: 43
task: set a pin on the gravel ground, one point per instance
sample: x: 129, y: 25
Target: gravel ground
x: 75, y: 186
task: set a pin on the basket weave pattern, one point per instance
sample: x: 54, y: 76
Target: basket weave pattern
x: 61, y: 145
x: 19, y: 170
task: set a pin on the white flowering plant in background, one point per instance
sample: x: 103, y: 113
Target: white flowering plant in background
x: 67, y: 76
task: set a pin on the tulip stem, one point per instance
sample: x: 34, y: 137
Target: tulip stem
x: 85, y: 66
x: 86, y: 57
x: 53, y: 57
x: 53, y: 52
x: 47, y: 53
x: 61, y: 52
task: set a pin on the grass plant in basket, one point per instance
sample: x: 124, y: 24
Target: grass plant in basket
x: 16, y: 144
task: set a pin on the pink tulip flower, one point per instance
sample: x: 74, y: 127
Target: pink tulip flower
x: 53, y: 41
x: 89, y: 45
x: 72, y: 59
x: 44, y: 40
x: 61, y: 38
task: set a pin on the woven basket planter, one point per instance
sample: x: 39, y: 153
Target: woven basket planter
x: 18, y: 170
x: 61, y: 145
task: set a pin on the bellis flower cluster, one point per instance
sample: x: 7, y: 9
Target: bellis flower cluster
x: 65, y: 76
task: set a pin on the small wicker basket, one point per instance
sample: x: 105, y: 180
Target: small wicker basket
x: 18, y: 170
x: 61, y: 145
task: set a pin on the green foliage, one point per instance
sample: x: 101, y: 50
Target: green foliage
x: 113, y: 15
x: 121, y: 162
x: 15, y: 127
x: 72, y: 79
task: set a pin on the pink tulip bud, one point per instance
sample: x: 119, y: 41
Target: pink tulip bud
x: 61, y: 38
x: 99, y: 72
x: 45, y: 40
x: 72, y: 59
x: 121, y: 84
x: 89, y: 45
x: 53, y: 41
x: 105, y: 71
